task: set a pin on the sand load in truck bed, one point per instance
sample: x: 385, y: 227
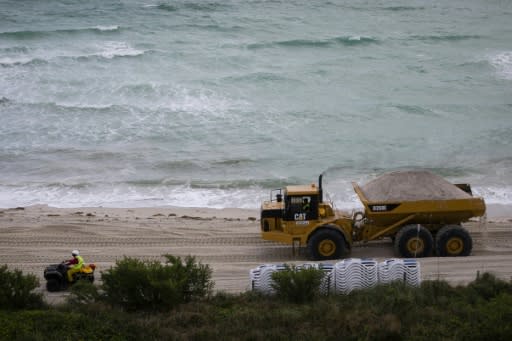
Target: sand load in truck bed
x: 412, y: 185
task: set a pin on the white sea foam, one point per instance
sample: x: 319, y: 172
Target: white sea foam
x: 114, y: 49
x: 81, y: 105
x: 199, y: 103
x: 107, y: 28
x: 503, y: 63
x: 182, y: 196
x: 126, y: 196
x: 10, y: 61
x: 108, y: 50
x: 495, y: 194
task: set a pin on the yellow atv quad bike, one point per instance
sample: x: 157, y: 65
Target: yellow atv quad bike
x: 57, y: 279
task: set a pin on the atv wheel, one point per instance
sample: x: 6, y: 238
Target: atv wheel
x: 52, y: 285
x: 414, y: 241
x: 453, y: 241
x: 326, y: 244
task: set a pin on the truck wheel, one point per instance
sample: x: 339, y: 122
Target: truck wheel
x: 453, y: 241
x: 414, y: 241
x: 52, y: 285
x: 326, y: 244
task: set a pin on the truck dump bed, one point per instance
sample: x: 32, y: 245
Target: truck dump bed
x: 418, y: 197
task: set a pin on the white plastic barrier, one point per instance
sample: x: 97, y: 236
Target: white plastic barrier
x: 346, y: 275
x: 406, y: 270
x: 355, y: 273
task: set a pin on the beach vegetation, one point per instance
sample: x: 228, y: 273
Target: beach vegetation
x: 135, y: 284
x: 17, y: 290
x: 435, y: 310
x: 83, y: 293
x: 297, y: 285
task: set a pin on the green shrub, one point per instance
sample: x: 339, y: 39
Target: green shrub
x: 83, y: 292
x: 297, y: 285
x: 53, y: 324
x: 16, y: 290
x: 491, y: 321
x: 150, y: 285
x: 488, y: 286
x: 436, y: 293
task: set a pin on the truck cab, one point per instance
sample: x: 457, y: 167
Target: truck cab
x: 297, y: 215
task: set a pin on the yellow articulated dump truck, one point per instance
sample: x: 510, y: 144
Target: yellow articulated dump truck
x: 421, y: 212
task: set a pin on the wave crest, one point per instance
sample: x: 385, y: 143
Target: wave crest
x: 446, y: 37
x: 403, y: 8
x: 356, y: 40
x: 10, y: 62
x: 118, y: 49
x: 317, y: 43
x: 503, y: 63
x: 41, y: 34
x: 203, y: 6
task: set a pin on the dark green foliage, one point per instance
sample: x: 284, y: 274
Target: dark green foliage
x: 297, y: 285
x: 436, y: 293
x: 53, y: 324
x: 487, y: 286
x: 194, y: 278
x: 435, y: 311
x: 492, y: 321
x: 16, y: 290
x: 83, y: 292
x: 150, y: 285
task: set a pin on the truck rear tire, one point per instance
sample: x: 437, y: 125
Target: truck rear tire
x: 414, y: 241
x: 326, y: 244
x: 453, y: 241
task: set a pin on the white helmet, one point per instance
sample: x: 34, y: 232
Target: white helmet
x: 75, y: 252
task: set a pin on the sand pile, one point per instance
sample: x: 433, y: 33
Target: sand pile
x: 411, y: 186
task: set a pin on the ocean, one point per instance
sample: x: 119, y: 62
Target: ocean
x: 213, y: 103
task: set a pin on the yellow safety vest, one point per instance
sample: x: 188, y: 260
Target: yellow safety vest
x: 80, y: 263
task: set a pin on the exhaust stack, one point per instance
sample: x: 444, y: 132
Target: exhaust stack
x: 320, y: 190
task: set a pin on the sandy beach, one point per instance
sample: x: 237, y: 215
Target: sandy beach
x: 226, y: 239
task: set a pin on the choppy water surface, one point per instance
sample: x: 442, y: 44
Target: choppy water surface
x: 213, y: 103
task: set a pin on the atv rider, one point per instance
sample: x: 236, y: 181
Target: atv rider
x: 74, y: 264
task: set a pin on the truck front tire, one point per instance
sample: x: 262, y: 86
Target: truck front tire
x: 326, y: 244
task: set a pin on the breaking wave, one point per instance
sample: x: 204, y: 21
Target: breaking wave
x: 43, y: 34
x: 108, y: 50
x: 445, y: 38
x: 313, y: 43
x: 206, y: 6
x: 503, y: 63
x: 403, y: 8
x: 17, y: 61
